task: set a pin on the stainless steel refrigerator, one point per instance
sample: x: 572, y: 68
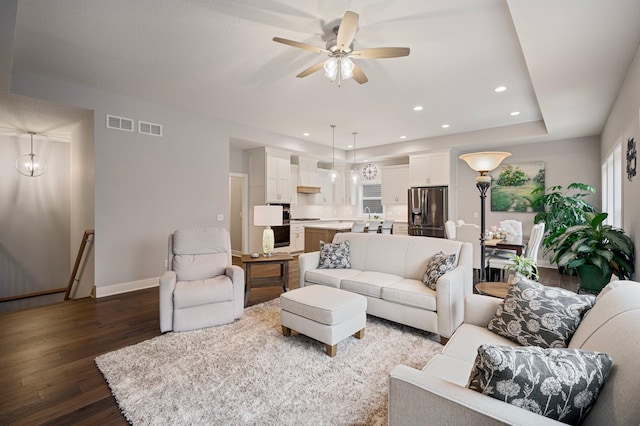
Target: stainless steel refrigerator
x: 428, y: 211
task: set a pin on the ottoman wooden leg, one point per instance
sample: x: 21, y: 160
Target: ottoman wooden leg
x: 331, y: 350
x: 286, y: 331
x: 359, y: 334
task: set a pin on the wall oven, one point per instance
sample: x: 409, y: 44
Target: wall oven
x: 282, y: 234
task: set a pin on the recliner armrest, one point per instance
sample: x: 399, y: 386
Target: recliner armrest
x: 416, y: 397
x: 236, y: 274
x: 167, y: 285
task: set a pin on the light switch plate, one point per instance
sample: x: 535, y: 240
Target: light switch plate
x: 220, y: 217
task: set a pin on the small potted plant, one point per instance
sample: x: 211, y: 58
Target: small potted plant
x: 523, y: 266
x: 596, y: 251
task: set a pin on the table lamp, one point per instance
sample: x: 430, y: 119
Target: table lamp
x: 267, y: 216
x: 483, y: 162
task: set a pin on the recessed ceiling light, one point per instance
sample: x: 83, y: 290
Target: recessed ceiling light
x: 500, y: 89
x: 417, y: 108
x: 445, y: 126
x: 515, y: 113
x: 403, y: 137
x: 349, y: 146
x: 305, y: 134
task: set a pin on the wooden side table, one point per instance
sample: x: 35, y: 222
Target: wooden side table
x: 251, y: 281
x: 495, y: 289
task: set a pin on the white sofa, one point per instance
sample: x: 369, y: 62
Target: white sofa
x: 388, y: 269
x: 437, y: 395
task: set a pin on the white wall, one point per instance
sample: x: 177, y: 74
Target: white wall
x: 624, y: 123
x: 34, y: 220
x: 566, y: 161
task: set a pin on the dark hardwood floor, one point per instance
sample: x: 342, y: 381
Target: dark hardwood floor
x: 48, y: 374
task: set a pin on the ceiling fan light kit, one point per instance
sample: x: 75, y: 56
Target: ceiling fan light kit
x: 339, y: 65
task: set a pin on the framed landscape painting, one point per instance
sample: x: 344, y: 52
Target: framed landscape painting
x: 511, y: 186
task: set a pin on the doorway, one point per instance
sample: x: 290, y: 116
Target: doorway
x: 239, y: 213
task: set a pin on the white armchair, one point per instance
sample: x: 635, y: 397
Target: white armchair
x: 201, y: 288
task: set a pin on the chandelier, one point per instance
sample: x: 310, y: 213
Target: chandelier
x: 31, y: 165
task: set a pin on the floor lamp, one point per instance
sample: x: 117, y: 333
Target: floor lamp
x: 267, y: 216
x: 483, y: 162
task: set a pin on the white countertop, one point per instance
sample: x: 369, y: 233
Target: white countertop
x: 332, y: 226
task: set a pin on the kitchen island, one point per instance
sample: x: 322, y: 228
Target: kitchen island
x: 315, y: 232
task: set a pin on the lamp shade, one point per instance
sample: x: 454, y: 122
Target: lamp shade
x: 484, y: 161
x: 267, y: 215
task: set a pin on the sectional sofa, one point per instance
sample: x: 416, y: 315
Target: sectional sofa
x: 437, y: 394
x: 388, y: 270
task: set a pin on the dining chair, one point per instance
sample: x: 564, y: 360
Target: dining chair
x: 450, y: 229
x: 387, y: 226
x: 374, y: 226
x: 512, y: 227
x: 497, y: 264
x: 358, y: 226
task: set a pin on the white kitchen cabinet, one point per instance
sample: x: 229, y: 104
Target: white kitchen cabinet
x: 325, y: 197
x: 339, y: 189
x: 293, y: 184
x: 395, y: 183
x: 430, y: 169
x: 297, y: 238
x: 278, y: 172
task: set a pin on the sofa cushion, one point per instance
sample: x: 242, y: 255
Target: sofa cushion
x: 561, y: 384
x: 369, y: 283
x: 438, y: 265
x: 452, y: 370
x: 202, y: 292
x: 329, y: 277
x: 410, y: 293
x: 334, y: 256
x: 464, y: 343
x: 537, y: 315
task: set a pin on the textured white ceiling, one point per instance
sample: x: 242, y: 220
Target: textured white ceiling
x: 563, y: 62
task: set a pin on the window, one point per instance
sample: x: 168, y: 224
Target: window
x: 371, y: 198
x: 612, y: 187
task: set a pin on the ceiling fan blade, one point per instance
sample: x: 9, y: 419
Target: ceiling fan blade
x: 358, y: 75
x: 300, y: 45
x: 311, y: 70
x: 347, y: 30
x: 380, y: 52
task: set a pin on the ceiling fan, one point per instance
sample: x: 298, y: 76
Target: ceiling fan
x: 340, y: 50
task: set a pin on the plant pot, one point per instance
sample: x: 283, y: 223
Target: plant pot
x: 591, y: 278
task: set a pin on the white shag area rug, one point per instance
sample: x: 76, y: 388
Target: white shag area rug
x: 247, y: 372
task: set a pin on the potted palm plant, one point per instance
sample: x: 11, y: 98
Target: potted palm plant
x: 561, y: 209
x: 596, y: 251
x: 524, y: 266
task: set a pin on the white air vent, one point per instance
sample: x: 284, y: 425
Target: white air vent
x: 149, y: 128
x: 119, y: 123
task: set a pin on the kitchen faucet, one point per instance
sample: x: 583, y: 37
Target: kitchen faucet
x: 367, y: 210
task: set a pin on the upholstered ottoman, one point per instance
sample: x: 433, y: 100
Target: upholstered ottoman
x: 323, y: 313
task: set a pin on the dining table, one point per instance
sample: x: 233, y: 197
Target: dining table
x: 516, y: 243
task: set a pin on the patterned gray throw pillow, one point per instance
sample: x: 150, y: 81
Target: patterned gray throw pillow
x: 437, y: 265
x: 334, y: 256
x: 537, y: 315
x: 561, y: 384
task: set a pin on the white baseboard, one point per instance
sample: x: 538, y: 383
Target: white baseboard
x: 111, y: 290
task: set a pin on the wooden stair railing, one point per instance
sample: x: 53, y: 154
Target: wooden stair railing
x: 83, y: 245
